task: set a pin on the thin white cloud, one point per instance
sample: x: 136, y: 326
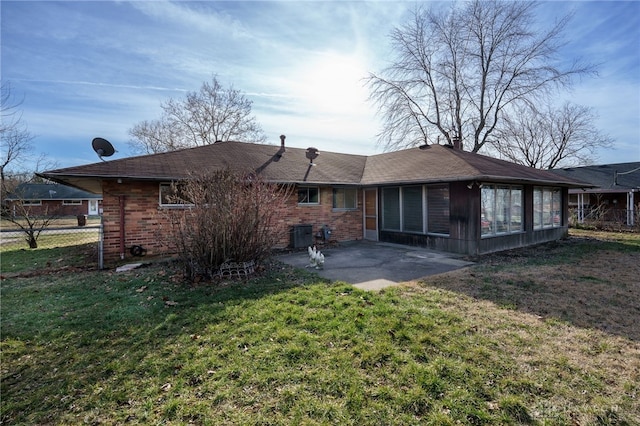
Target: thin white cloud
x: 86, y: 68
x: 100, y: 84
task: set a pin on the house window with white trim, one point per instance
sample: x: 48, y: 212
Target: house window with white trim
x: 345, y: 198
x: 547, y: 207
x: 31, y: 202
x: 501, y: 210
x: 71, y: 202
x: 308, y: 195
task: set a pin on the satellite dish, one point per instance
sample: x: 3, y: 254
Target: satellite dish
x: 311, y: 154
x: 102, y: 147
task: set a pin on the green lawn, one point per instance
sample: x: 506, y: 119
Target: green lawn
x: 144, y: 347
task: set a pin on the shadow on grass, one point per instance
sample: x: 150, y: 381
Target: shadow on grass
x: 585, y: 282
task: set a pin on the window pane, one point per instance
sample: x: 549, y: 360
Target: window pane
x: 167, y: 194
x: 546, y: 208
x: 516, y: 210
x: 412, y: 208
x: 350, y: 198
x: 438, y: 209
x: 503, y: 206
x: 345, y: 198
x: 556, y: 208
x: 338, y: 198
x: 308, y: 195
x: 488, y: 210
x: 391, y: 208
x: 537, y: 208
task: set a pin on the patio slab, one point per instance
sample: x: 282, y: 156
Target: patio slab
x: 372, y: 265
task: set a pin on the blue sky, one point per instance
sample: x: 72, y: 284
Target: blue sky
x: 96, y: 68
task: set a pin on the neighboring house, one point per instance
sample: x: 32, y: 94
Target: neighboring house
x: 434, y: 196
x: 45, y: 198
x: 613, y: 197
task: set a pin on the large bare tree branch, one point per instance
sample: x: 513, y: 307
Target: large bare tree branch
x: 457, y: 72
x: 551, y: 138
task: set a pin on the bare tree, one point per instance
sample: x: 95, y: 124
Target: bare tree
x: 456, y: 72
x: 214, y: 113
x: 15, y: 138
x: 566, y: 136
x: 30, y: 222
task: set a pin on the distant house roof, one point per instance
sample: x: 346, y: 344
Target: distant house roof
x: 432, y: 163
x: 48, y: 191
x: 621, y: 177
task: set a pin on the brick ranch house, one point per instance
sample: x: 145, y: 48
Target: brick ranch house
x: 434, y: 196
x: 47, y: 198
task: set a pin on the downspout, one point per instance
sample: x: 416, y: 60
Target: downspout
x: 121, y: 202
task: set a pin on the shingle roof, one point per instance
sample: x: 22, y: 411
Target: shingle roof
x: 443, y: 163
x: 620, y: 177
x: 47, y: 191
x: 433, y: 163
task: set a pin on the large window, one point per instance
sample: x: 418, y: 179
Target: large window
x: 419, y: 209
x: 501, y: 210
x: 308, y: 195
x: 345, y: 198
x: 547, y: 207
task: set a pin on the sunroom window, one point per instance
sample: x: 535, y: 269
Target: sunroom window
x: 420, y: 209
x: 501, y: 210
x: 547, y: 207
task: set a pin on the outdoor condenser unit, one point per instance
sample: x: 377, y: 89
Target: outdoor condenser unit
x: 301, y: 236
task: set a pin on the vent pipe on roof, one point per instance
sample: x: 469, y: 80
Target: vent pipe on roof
x: 456, y: 141
x: 282, y: 138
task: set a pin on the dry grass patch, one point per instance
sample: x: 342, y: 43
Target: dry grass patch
x: 589, y: 280
x: 568, y: 314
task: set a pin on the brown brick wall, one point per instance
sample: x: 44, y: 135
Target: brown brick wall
x: 144, y: 224
x: 345, y: 225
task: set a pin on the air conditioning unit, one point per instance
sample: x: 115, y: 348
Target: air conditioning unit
x: 301, y: 236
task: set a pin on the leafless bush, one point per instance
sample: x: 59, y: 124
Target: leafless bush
x: 227, y: 218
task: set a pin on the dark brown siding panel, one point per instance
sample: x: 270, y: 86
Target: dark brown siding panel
x: 465, y: 216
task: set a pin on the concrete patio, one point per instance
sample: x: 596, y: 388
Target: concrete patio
x: 373, y: 265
